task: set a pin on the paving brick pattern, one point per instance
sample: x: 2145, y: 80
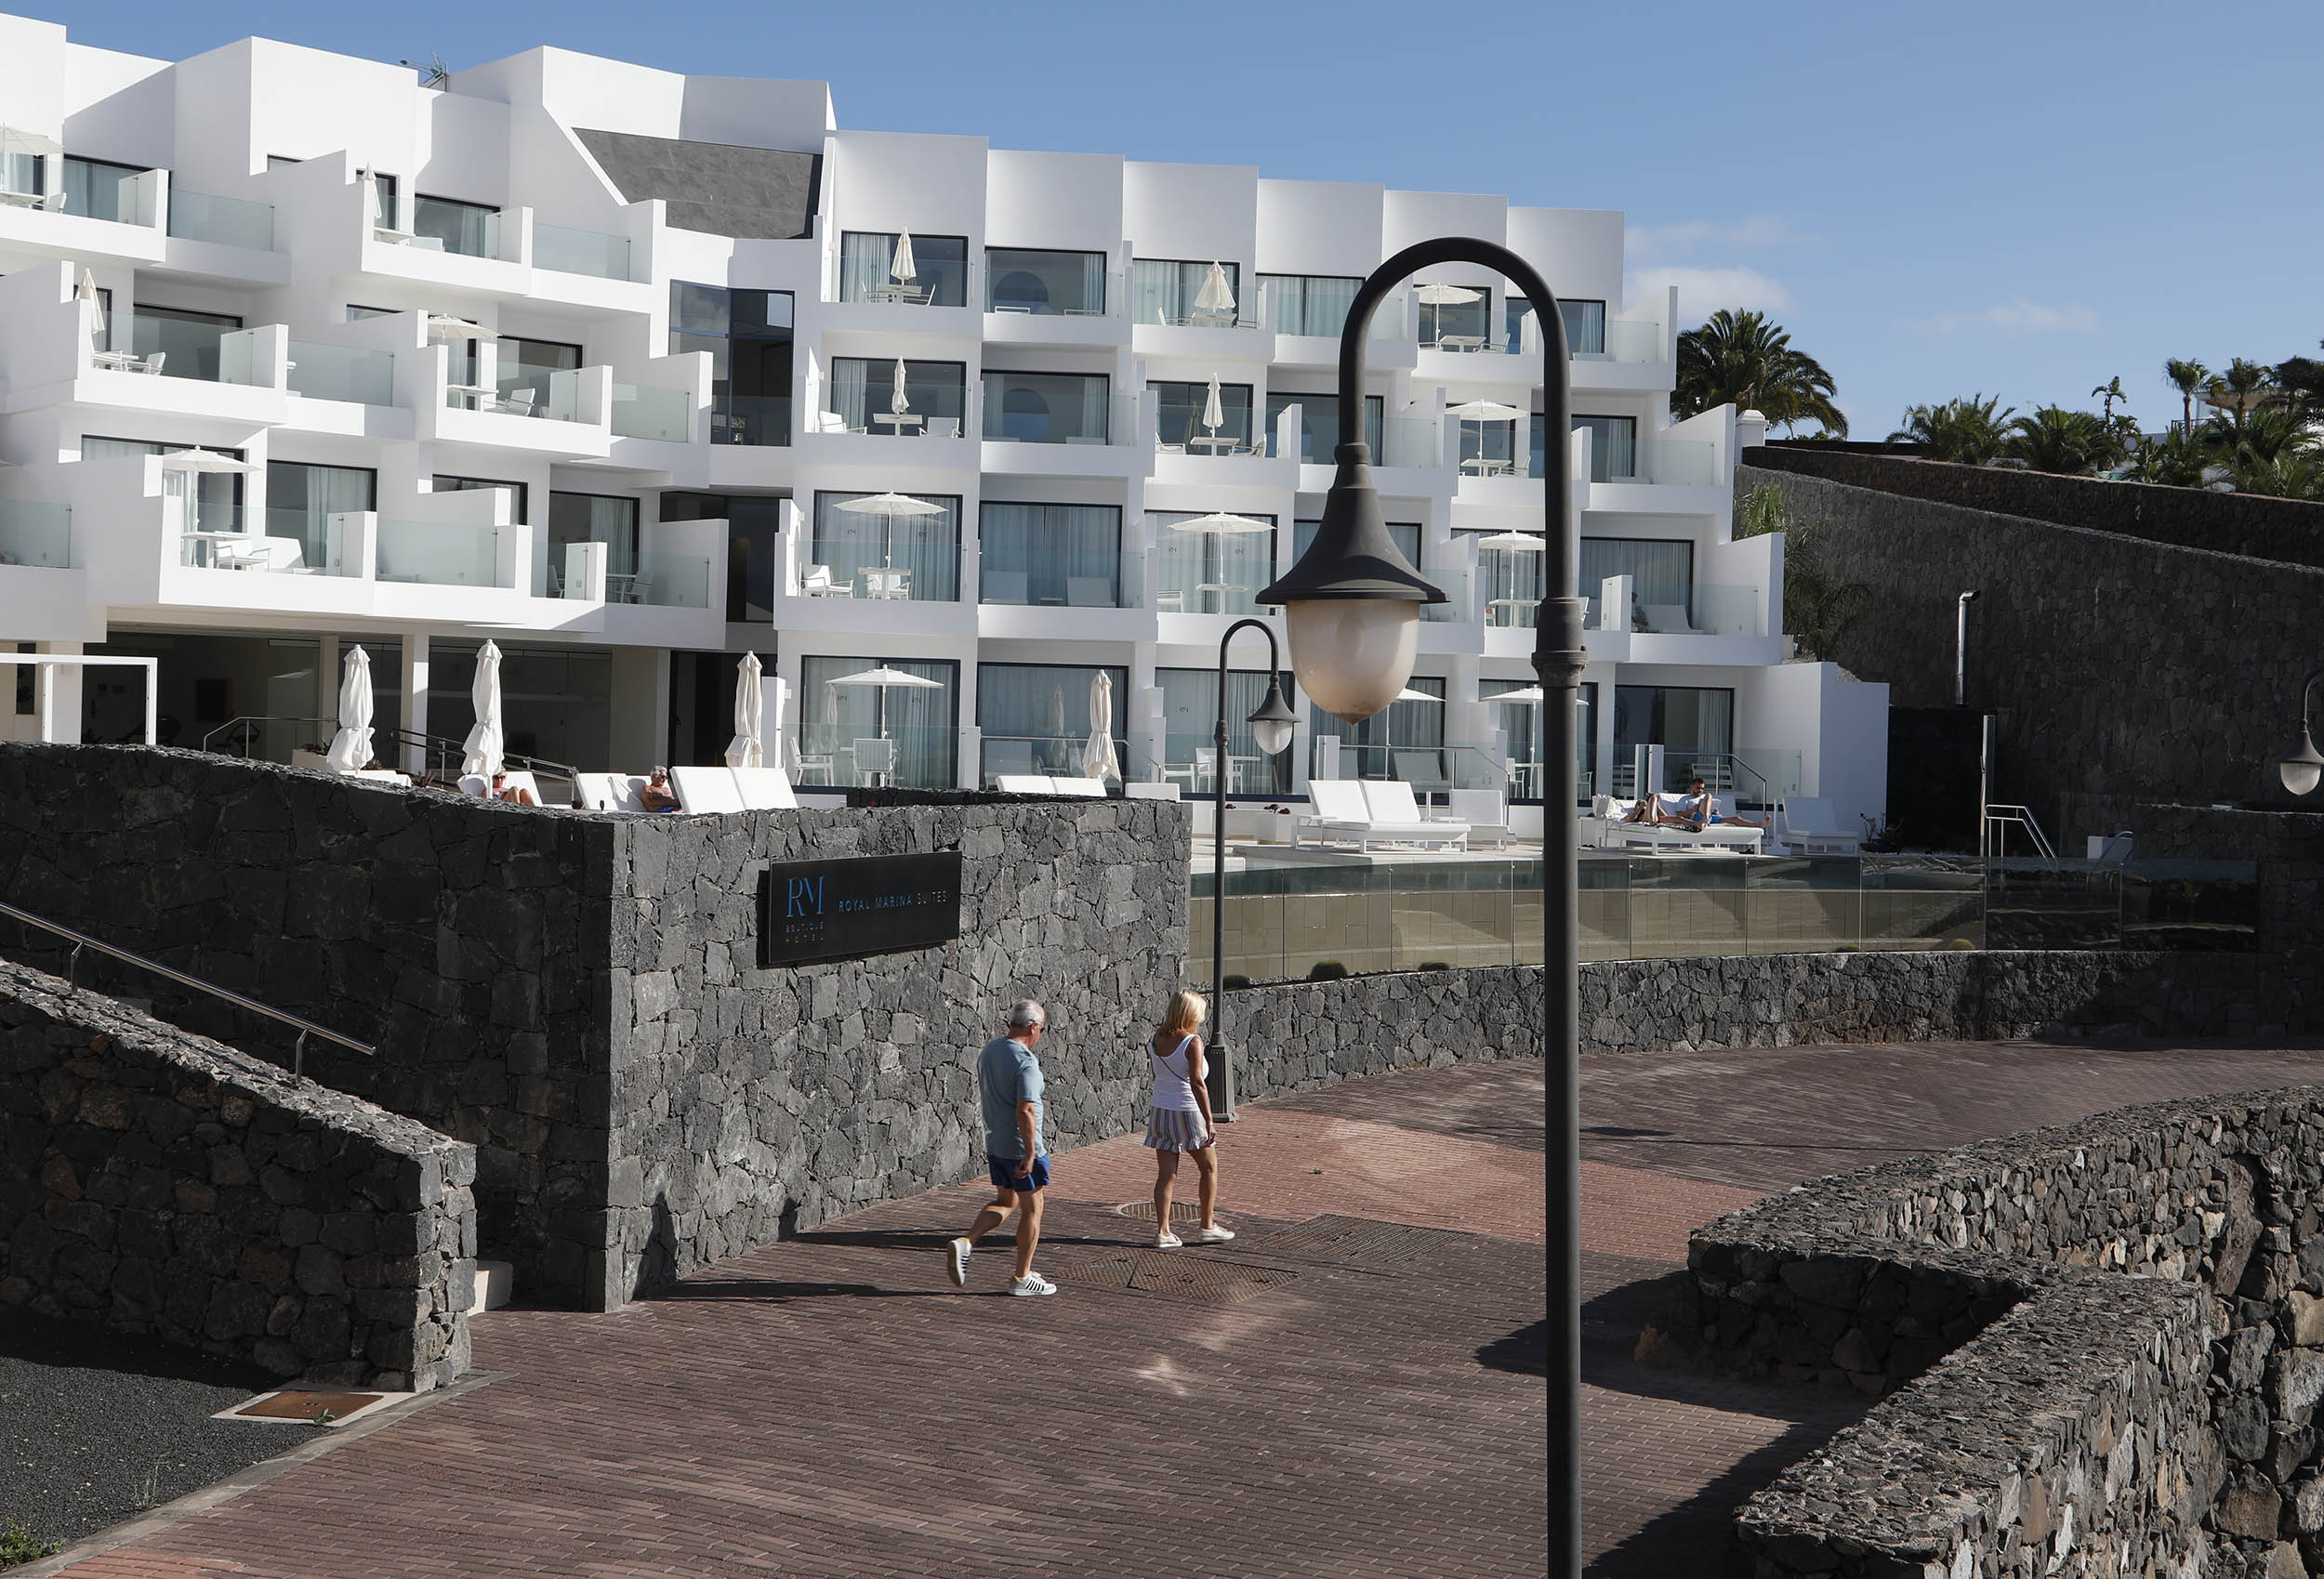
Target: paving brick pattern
x: 829, y: 1406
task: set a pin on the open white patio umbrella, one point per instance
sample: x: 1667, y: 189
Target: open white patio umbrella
x: 1514, y: 542
x: 1220, y: 524
x: 1098, y: 758
x: 481, y: 751
x: 1435, y: 295
x: 903, y: 268
x: 1529, y: 694
x: 445, y: 326
x: 1408, y: 694
x: 886, y: 679
x: 350, y: 748
x: 1213, y: 409
x: 1216, y: 295
x: 208, y: 461
x: 887, y: 506
x: 1484, y: 411
x: 748, y: 748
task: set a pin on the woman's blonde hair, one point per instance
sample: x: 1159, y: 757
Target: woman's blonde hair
x: 1186, y: 1012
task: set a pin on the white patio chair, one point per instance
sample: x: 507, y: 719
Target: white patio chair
x: 518, y: 402
x: 816, y: 581
x: 807, y: 767
x: 1088, y: 592
x: 875, y: 761
x: 1667, y: 619
x: 1007, y: 586
x: 154, y: 365
x: 1484, y: 812
x: 1395, y: 816
x: 1806, y: 826
x: 1024, y: 784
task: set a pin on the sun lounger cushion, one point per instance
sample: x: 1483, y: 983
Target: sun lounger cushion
x: 706, y: 789
x: 764, y: 789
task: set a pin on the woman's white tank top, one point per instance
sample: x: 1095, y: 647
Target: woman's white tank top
x: 1172, y: 1090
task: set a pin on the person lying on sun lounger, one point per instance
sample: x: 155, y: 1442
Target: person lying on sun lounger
x: 1649, y: 812
x: 1704, y: 807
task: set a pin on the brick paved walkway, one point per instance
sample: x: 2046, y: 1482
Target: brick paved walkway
x: 829, y: 1406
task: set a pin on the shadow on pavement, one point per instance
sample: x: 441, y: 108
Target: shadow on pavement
x: 1527, y: 1350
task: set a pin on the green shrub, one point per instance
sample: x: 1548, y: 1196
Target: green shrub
x: 19, y: 1544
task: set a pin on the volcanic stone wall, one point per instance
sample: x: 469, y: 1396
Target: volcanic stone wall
x: 2119, y: 670
x: 2103, y: 1344
x: 156, y: 1181
x: 747, y: 1103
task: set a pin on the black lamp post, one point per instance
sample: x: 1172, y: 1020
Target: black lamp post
x: 1271, y: 728
x: 2302, y: 769
x: 1353, y: 607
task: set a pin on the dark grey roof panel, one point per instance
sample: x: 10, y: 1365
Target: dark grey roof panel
x: 762, y: 193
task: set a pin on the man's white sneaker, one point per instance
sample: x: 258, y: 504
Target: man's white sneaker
x: 956, y: 1255
x: 1033, y: 1286
x: 1165, y: 1240
x: 1213, y: 1235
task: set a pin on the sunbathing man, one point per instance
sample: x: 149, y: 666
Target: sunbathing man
x: 1650, y: 811
x: 655, y: 795
x: 1703, y: 805
x: 515, y: 795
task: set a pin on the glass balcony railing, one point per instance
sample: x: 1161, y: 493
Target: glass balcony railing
x: 1411, y: 440
x: 552, y: 394
x: 1430, y: 769
x: 229, y: 221
x: 1196, y: 573
x: 188, y: 348
x: 580, y: 251
x: 1054, y: 409
x: 1459, y: 604
x: 97, y: 191
x: 35, y: 533
x: 750, y: 419
x: 667, y: 581
x: 341, y: 373
x: 440, y: 553
x: 1106, y: 580
x: 1058, y: 755
x: 469, y: 229
x: 852, y: 555
x: 1633, y: 342
x: 641, y: 413
x: 916, y: 755
x: 1048, y: 285
x: 1684, y: 462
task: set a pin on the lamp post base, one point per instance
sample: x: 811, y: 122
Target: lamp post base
x: 1220, y: 1078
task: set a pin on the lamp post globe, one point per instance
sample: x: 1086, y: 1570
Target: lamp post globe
x: 1271, y: 725
x: 2303, y: 768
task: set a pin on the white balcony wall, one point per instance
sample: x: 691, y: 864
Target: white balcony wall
x: 1196, y: 213
x: 1331, y: 228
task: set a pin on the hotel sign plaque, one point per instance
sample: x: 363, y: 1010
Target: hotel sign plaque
x: 811, y: 910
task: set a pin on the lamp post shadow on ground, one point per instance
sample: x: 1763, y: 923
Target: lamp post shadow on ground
x: 1352, y: 611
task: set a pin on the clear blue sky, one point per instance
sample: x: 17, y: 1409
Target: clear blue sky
x: 2023, y: 199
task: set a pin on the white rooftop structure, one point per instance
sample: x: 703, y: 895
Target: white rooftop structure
x: 629, y: 373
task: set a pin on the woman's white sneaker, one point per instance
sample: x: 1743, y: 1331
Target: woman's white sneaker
x: 1033, y: 1286
x: 956, y: 1255
x: 1213, y: 1235
x: 1165, y: 1240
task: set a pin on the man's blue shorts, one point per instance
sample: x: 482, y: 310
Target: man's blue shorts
x: 1004, y: 1173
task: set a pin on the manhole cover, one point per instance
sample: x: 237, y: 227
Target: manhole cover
x: 1177, y: 1277
x: 1361, y: 1239
x: 1181, y: 1210
x: 306, y: 1405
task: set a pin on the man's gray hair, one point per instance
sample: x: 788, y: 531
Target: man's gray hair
x: 1025, y: 1013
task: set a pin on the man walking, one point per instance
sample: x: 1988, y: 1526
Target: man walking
x: 1008, y: 1084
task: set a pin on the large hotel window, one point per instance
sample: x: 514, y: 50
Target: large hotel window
x: 1661, y: 572
x: 470, y: 229
x: 1035, y: 718
x: 1060, y: 554
x: 1308, y: 303
x: 544, y: 375
x: 1463, y: 325
x: 519, y: 492
x: 189, y: 341
x: 936, y: 274
x: 862, y: 394
x: 880, y: 552
x: 1613, y: 447
x: 1208, y: 570
x: 754, y: 543
x: 1688, y: 722
x: 596, y: 518
x: 1585, y: 326
x: 880, y: 734
x: 1404, y: 740
x: 1521, y: 723
x: 1182, y: 411
x: 1049, y: 408
x: 1190, y: 719
x: 211, y: 500
x: 1166, y: 291
x: 748, y: 337
x: 301, y: 499
x: 1319, y: 424
x: 1036, y: 281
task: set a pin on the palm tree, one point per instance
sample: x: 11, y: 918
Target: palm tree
x: 1743, y: 358
x: 2187, y: 377
x: 2287, y: 474
x: 1970, y: 433
x: 2240, y: 389
x: 2069, y: 443
x: 2109, y: 392
x: 2178, y: 460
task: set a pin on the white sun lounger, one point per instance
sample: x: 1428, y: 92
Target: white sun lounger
x: 706, y: 789
x: 1344, y: 815
x: 764, y: 789
x: 1806, y: 826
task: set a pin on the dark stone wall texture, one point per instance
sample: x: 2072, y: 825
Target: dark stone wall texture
x: 2102, y: 1343
x: 2119, y: 670
x: 156, y: 1181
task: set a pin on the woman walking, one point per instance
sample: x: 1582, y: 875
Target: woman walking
x: 1181, y: 1122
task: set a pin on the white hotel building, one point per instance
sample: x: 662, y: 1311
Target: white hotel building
x: 688, y: 327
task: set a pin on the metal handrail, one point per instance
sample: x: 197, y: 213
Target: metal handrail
x: 439, y: 750
x: 306, y: 1027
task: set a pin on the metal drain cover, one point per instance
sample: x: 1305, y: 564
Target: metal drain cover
x: 1360, y: 1239
x: 1181, y: 1210
x: 1178, y: 1277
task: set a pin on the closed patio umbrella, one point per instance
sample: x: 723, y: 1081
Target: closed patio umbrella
x: 1216, y: 296
x: 481, y: 751
x: 903, y: 268
x: 748, y: 748
x: 901, y: 400
x: 1213, y: 408
x: 778, y: 694
x: 86, y: 290
x: 1098, y: 758
x: 350, y: 748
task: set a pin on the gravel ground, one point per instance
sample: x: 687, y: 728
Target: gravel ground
x: 96, y: 1428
